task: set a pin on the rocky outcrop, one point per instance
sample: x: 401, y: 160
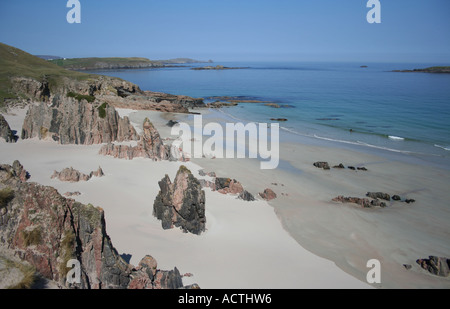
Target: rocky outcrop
x: 148, y: 100
x: 5, y: 131
x: 68, y: 120
x: 379, y: 195
x: 150, y: 146
x: 246, y: 196
x: 181, y: 203
x: 363, y: 202
x: 268, y: 194
x: 323, y: 165
x: 73, y: 175
x: 438, y: 266
x: 47, y: 230
x: 228, y: 186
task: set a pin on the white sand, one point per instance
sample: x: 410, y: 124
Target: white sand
x: 245, y: 245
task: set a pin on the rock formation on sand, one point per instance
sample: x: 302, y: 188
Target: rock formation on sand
x: 72, y: 175
x: 150, y: 146
x: 181, y: 203
x: 364, y: 202
x: 74, y: 120
x: 268, y: 194
x: 228, y: 185
x: 380, y: 195
x: 47, y: 230
x: 323, y: 165
x: 5, y: 131
x: 438, y: 266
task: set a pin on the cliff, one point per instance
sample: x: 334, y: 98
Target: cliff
x: 150, y: 146
x: 25, y: 78
x: 69, y: 120
x: 47, y: 230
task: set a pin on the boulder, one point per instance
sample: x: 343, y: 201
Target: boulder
x: 73, y: 175
x: 438, y: 266
x: 379, y: 195
x: 364, y: 202
x: 228, y: 185
x: 5, y: 131
x: 246, y: 196
x: 323, y: 165
x: 268, y: 194
x: 181, y: 203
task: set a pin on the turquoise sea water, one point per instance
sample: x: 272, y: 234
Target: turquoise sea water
x: 371, y: 108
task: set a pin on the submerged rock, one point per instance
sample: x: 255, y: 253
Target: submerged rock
x: 181, y: 203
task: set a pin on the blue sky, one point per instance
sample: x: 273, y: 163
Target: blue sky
x: 304, y: 30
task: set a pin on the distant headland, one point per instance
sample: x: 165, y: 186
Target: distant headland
x: 438, y: 69
x: 114, y: 63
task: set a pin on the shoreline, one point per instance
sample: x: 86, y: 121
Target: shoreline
x: 302, y: 234
x: 308, y: 211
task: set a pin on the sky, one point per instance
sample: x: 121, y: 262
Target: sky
x: 232, y: 30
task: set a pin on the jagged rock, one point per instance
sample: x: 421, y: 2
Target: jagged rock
x: 407, y: 266
x: 5, y: 131
x: 323, y: 165
x: 73, y: 175
x: 268, y: 194
x: 379, y: 195
x: 377, y: 202
x: 396, y: 198
x: 339, y: 166
x: 438, y: 266
x: 181, y: 203
x: 228, y: 185
x: 150, y: 146
x: 69, y: 121
x: 246, y: 196
x: 361, y: 168
x: 171, y: 123
x: 45, y: 229
x: 352, y: 168
x: 364, y: 202
x: 408, y: 201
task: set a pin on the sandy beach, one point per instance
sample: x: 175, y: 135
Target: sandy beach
x: 299, y: 240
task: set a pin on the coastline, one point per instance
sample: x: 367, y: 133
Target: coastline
x: 299, y: 240
x: 344, y: 233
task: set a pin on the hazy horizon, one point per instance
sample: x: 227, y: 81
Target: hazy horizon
x: 411, y: 31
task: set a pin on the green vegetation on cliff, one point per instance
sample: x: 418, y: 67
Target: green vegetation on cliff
x: 105, y: 63
x: 17, y: 63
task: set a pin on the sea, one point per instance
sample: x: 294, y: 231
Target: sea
x: 363, y: 106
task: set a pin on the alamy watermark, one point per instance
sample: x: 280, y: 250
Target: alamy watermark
x: 230, y: 142
x: 374, y: 14
x: 374, y: 274
x: 74, y: 275
x: 74, y: 14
